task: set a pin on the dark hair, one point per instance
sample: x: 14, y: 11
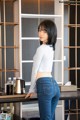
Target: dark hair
x: 50, y: 27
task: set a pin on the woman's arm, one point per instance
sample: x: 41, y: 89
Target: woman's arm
x: 37, y: 60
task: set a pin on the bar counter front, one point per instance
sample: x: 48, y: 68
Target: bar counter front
x: 17, y: 98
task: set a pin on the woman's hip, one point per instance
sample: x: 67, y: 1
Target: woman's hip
x: 46, y: 86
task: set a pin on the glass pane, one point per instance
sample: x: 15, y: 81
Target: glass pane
x: 46, y: 7
x: 2, y: 60
x: 2, y: 81
x: 29, y: 48
x: 9, y: 36
x: 73, y: 117
x: 9, y: 12
x: 66, y: 61
x: 29, y: 6
x: 66, y: 65
x: 72, y: 57
x: 66, y: 36
x: 72, y: 16
x: 29, y: 27
x: 78, y: 16
x: 2, y: 36
x: 79, y: 102
x: 58, y: 50
x: 27, y: 89
x: 78, y: 36
x: 78, y: 57
x: 78, y: 78
x: 66, y: 76
x: 57, y: 71
x: 66, y: 15
x: 1, y: 12
x: 72, y: 77
x: 26, y: 71
x: 59, y: 27
x: 72, y: 36
x: 10, y: 58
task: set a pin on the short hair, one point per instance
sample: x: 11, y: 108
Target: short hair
x: 51, y: 29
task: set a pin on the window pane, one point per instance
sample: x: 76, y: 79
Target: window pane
x: 57, y: 75
x: 9, y: 35
x: 29, y: 6
x: 10, y: 58
x: 29, y: 48
x: 47, y: 6
x: 9, y: 12
x: 26, y: 71
x: 58, y: 50
x: 29, y: 27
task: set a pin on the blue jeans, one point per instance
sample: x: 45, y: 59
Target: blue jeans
x: 48, y: 93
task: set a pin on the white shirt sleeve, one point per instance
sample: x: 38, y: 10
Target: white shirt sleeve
x: 36, y: 63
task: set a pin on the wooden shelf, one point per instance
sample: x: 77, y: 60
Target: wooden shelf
x: 9, y: 70
x: 72, y: 25
x: 9, y: 47
x: 8, y: 0
x: 70, y: 2
x: 74, y: 113
x: 72, y: 110
x: 1, y: 23
x: 9, y: 23
x: 78, y: 89
x: 71, y: 46
x: 73, y: 68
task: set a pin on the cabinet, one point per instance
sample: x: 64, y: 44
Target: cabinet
x: 9, y: 40
x: 71, y: 51
x: 32, y: 13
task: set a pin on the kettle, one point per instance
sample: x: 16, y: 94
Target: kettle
x: 20, y: 86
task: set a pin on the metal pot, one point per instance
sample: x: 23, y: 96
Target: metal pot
x: 20, y: 86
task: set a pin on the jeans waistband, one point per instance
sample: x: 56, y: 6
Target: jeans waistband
x: 45, y: 79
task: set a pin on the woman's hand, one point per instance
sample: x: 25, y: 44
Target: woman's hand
x: 29, y: 95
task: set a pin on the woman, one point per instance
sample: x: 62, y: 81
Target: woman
x: 42, y: 81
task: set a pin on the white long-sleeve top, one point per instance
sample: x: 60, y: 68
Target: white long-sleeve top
x: 42, y: 62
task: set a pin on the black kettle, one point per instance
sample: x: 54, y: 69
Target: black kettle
x: 20, y: 86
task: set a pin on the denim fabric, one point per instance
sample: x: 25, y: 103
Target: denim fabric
x: 48, y: 95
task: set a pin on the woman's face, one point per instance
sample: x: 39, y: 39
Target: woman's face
x: 43, y: 36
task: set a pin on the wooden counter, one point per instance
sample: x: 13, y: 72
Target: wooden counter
x: 21, y: 97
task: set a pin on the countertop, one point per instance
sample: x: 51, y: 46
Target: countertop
x: 21, y: 97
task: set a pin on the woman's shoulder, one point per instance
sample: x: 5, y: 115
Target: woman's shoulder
x: 41, y: 47
x: 44, y: 48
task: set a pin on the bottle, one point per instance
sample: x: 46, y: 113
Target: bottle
x: 9, y: 80
x: 9, y: 87
x: 14, y: 83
